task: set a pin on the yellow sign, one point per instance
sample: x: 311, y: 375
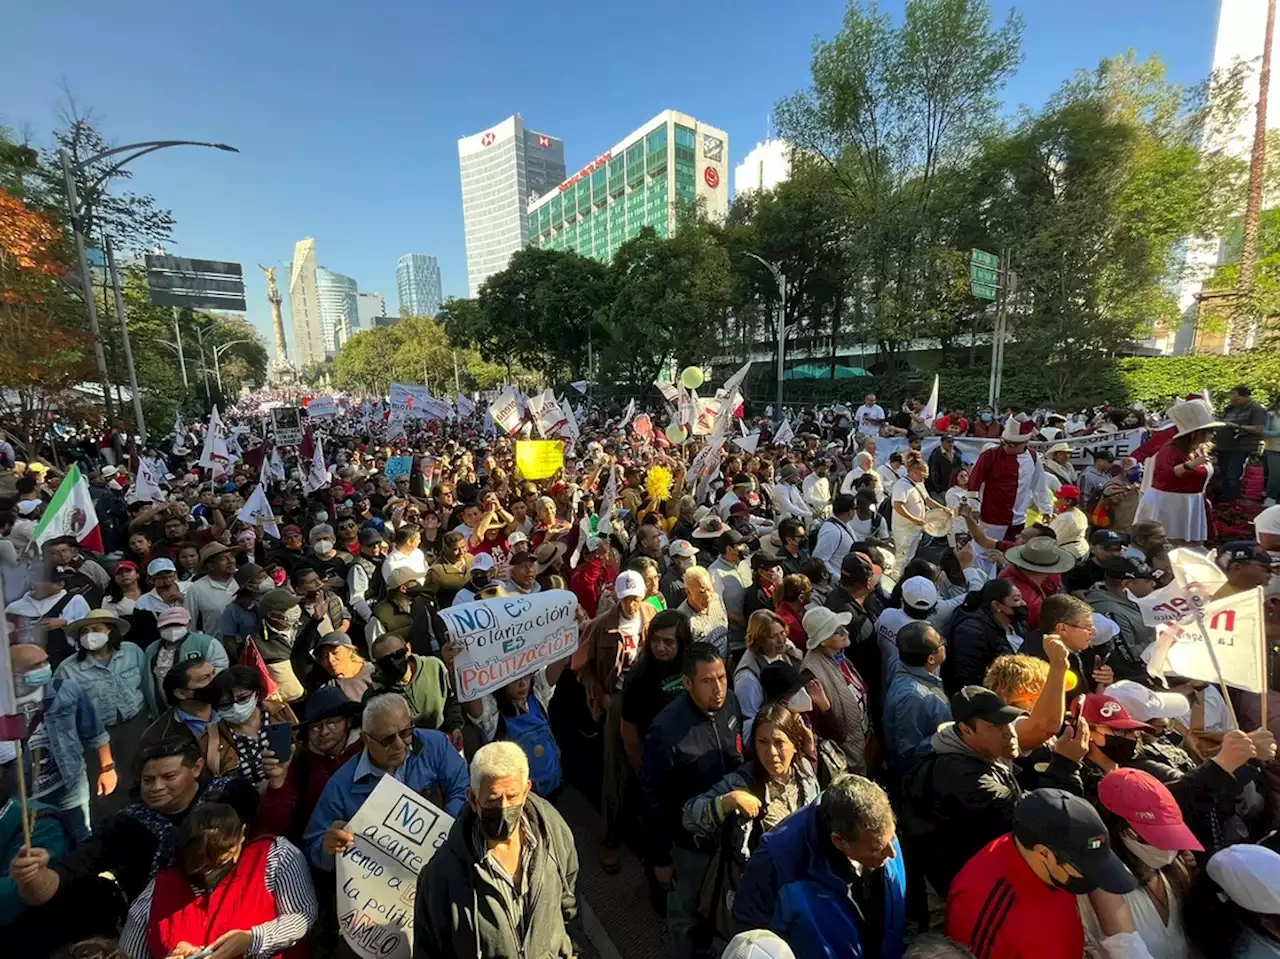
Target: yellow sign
x: 539, y: 459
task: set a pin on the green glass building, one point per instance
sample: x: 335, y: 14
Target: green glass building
x: 665, y: 166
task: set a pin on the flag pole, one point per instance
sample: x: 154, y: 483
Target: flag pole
x: 1263, y: 651
x: 12, y: 700
x: 1180, y: 575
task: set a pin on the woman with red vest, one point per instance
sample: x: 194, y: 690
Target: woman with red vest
x: 224, y: 895
x: 1180, y: 473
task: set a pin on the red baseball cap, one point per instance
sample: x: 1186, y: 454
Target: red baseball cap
x: 1103, y: 710
x: 125, y: 564
x: 1068, y: 491
x: 1148, y: 807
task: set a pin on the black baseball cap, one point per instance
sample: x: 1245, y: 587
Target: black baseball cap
x: 762, y: 560
x: 730, y: 537
x: 741, y: 479
x: 1243, y: 551
x: 857, y: 567
x: 1127, y: 568
x: 370, y: 537
x: 978, y: 702
x: 1108, y: 538
x: 780, y: 681
x: 522, y: 557
x: 1074, y: 832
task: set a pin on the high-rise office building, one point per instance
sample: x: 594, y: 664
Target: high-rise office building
x: 339, y: 309
x: 502, y: 168
x: 369, y: 305
x: 418, y: 285
x: 309, y: 344
x: 763, y: 168
x: 664, y: 167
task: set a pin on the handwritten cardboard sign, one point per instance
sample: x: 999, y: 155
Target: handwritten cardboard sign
x: 397, y: 832
x: 506, y: 638
x: 398, y: 466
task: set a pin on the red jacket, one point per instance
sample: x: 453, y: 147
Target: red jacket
x: 999, y: 909
x: 1164, y: 479
x: 1033, y: 594
x: 587, y: 582
x: 1007, y: 483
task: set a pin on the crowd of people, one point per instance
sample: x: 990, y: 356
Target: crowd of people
x: 835, y: 702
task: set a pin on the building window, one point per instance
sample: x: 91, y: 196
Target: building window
x: 617, y: 175
x: 557, y: 211
x: 655, y: 145
x: 583, y: 190
x: 635, y: 163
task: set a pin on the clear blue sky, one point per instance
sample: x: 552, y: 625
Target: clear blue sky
x: 347, y: 114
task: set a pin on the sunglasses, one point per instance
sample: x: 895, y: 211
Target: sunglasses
x: 386, y: 742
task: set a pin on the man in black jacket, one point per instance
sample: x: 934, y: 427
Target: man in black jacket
x: 961, y: 790
x: 693, y: 743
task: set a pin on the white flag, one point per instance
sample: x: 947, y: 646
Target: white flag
x: 610, y: 496
x: 258, y: 508
x: 733, y: 382
x: 179, y: 433
x: 670, y: 392
x: 506, y: 410
x: 629, y: 412
x: 146, y: 485
x: 465, y: 406
x: 1173, y: 602
x: 273, y: 466
x: 1234, y: 626
x: 785, y: 434
x: 233, y: 448
x: 580, y: 386
x: 930, y: 411
x: 395, y: 427
x: 747, y: 443
x: 317, y: 472
x: 214, y: 454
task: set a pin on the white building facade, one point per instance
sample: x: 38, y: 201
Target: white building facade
x: 369, y: 305
x: 309, y: 342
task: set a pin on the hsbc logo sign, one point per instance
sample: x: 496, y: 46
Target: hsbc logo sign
x: 487, y: 139
x: 544, y: 141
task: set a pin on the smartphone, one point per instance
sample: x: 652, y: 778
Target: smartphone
x: 1072, y: 722
x: 280, y: 740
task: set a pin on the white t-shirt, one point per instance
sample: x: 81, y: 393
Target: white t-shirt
x: 863, y: 417
x: 413, y: 559
x: 912, y: 498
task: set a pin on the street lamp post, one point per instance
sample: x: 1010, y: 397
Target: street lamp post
x: 781, y: 279
x: 128, y: 347
x: 79, y: 217
x: 217, y: 354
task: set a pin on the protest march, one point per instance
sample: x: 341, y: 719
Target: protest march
x: 865, y: 679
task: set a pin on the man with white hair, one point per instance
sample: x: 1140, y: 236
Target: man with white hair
x: 508, y: 864
x: 423, y: 759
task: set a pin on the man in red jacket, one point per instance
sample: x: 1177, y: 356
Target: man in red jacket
x: 1017, y: 897
x: 589, y: 577
x: 1010, y: 478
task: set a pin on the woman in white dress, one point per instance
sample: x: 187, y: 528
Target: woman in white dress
x: 1180, y: 474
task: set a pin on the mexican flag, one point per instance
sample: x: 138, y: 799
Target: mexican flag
x: 71, y: 513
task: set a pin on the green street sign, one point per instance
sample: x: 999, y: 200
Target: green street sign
x: 983, y: 258
x: 984, y: 291
x: 980, y: 274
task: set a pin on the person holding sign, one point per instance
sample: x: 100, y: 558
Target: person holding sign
x: 504, y: 883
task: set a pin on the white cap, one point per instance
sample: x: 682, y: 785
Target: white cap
x: 516, y: 538
x: 682, y: 548
x: 482, y: 561
x: 161, y: 565
x: 1268, y: 521
x: 1105, y: 630
x: 1250, y: 877
x: 1146, y: 704
x: 28, y: 506
x: 919, y: 593
x: 629, y: 583
x: 758, y: 944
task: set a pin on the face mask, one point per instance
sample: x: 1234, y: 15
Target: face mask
x: 1149, y: 856
x: 40, y: 676
x: 499, y: 822
x: 260, y: 587
x: 801, y: 702
x: 1119, y: 750
x: 987, y: 417
x: 171, y: 634
x: 1076, y: 885
x: 292, y: 616
x: 394, y: 664
x: 322, y: 517
x: 240, y: 712
x: 207, y: 880
x: 279, y: 577
x: 94, y: 641
x: 321, y: 547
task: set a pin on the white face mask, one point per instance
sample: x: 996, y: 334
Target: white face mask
x: 94, y: 641
x: 801, y: 702
x: 1149, y: 856
x: 321, y: 547
x: 240, y: 712
x: 171, y: 634
x: 322, y: 517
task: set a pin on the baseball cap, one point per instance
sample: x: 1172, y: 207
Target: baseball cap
x: 370, y: 537
x: 683, y: 548
x: 125, y: 564
x: 1146, y: 704
x: 336, y: 638
x: 1268, y: 521
x: 763, y: 560
x: 858, y: 567
x: 1249, y: 876
x: 1108, y: 538
x: 1067, y: 491
x: 1074, y: 832
x: 1242, y: 551
x: 521, y: 557
x: 978, y: 702
x: 1126, y: 568
x: 516, y: 538
x: 482, y: 562
x: 161, y: 565
x: 291, y: 530
x: 1148, y: 807
x: 919, y: 593
x: 1103, y: 710
x: 629, y: 584
x: 277, y: 601
x: 249, y: 573
x: 730, y: 537
x: 174, y: 616
x: 758, y: 944
x: 327, y: 702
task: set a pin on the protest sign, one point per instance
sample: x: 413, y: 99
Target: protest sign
x: 397, y: 832
x: 643, y: 426
x: 502, y: 639
x: 505, y: 411
x: 1234, y: 625
x: 1198, y: 580
x: 286, y: 423
x: 437, y: 409
x: 398, y: 466
x: 538, y: 459
x: 322, y: 406
x: 465, y: 407
x: 408, y: 399
x: 705, y: 421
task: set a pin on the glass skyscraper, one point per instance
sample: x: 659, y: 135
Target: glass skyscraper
x: 339, y: 308
x: 418, y: 285
x: 309, y: 343
x: 502, y: 168
x: 665, y: 166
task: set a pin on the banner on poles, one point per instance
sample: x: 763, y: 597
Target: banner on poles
x: 1083, y: 448
x: 503, y: 639
x: 398, y: 466
x: 465, y: 406
x: 321, y: 407
x: 506, y: 411
x: 397, y: 832
x: 538, y: 459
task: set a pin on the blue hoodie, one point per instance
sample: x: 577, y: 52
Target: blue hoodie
x: 789, y: 887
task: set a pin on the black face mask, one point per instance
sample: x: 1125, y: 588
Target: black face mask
x: 499, y: 822
x: 1077, y: 886
x: 1119, y: 750
x: 206, y: 694
x: 393, y: 665
x: 1019, y: 615
x: 210, y: 879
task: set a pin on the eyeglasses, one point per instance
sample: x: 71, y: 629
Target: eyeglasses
x: 329, y: 725
x: 386, y: 742
x: 240, y: 698
x: 1088, y: 627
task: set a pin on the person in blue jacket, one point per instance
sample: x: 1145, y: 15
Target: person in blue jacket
x: 425, y: 760
x: 830, y: 880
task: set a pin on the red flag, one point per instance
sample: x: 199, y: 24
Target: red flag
x: 252, y: 658
x: 307, y: 448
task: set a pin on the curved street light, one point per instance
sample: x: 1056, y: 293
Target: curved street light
x: 77, y: 211
x: 217, y: 355
x: 781, y: 279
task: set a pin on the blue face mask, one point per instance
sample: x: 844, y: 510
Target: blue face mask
x: 987, y: 417
x: 40, y: 676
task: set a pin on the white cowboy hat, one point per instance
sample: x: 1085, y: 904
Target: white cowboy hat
x: 1013, y: 432
x: 1191, y: 416
x: 1041, y: 555
x: 1058, y: 448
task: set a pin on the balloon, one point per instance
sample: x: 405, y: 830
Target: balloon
x: 691, y: 378
x: 675, y: 432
